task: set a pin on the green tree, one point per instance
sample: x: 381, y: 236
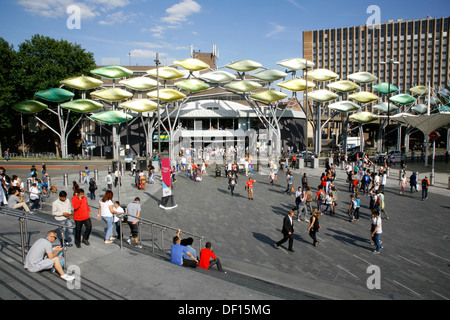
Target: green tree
x: 39, y: 64
x: 44, y: 62
x: 8, y: 94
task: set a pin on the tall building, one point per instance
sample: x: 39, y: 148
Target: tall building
x: 420, y: 46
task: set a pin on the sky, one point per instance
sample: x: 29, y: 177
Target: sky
x: 133, y: 31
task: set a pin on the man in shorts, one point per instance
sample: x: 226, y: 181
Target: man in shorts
x: 42, y: 256
x: 249, y: 187
x: 134, y: 211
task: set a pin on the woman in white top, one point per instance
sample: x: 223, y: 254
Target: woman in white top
x: 106, y: 211
x: 34, y: 197
x: 402, y: 183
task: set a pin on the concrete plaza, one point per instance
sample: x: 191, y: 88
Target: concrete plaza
x: 414, y: 263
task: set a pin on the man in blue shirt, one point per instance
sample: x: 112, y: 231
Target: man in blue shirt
x: 176, y: 253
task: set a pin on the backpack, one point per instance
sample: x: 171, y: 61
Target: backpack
x: 424, y: 183
x: 322, y: 196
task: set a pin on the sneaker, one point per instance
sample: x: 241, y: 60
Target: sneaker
x: 67, y: 278
x: 375, y: 251
x: 138, y: 246
x: 108, y: 241
x: 129, y: 241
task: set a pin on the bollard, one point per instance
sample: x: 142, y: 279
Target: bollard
x: 301, y: 163
x: 66, y: 179
x: 96, y: 175
x: 29, y: 181
x: 80, y: 178
x: 449, y: 182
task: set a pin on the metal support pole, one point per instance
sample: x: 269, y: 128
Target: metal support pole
x: 120, y: 230
x: 153, y: 241
x: 432, y: 162
x: 22, y: 242
x: 63, y: 231
x: 157, y: 101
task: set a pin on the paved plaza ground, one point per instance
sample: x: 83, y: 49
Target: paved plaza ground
x: 414, y: 263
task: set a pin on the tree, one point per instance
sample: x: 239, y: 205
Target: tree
x: 44, y: 62
x: 8, y: 94
x: 39, y: 64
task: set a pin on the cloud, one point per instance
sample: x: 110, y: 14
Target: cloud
x: 276, y: 28
x: 108, y: 5
x: 118, y: 18
x: 56, y: 8
x: 179, y: 12
x: 140, y: 53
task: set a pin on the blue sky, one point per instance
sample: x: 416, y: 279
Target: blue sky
x: 263, y: 31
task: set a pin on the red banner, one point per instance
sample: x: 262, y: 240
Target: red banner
x: 165, y: 172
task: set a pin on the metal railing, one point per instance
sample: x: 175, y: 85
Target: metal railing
x: 23, y: 225
x: 156, y: 225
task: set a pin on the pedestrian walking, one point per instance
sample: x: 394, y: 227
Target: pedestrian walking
x: 381, y: 206
x: 288, y: 231
x: 300, y: 203
x: 109, y: 181
x: 376, y: 231
x: 133, y: 211
x: 413, y: 182
x: 92, y: 188
x: 314, y: 227
x: 249, y: 187
x: 289, y: 178
x: 304, y: 181
x: 85, y: 175
x: 320, y: 198
x: 309, y: 198
x: 352, y: 208
x: 425, y: 184
x: 232, y: 183
x: 402, y: 183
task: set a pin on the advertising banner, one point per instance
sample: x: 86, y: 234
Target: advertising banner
x: 165, y: 172
x: 167, y: 200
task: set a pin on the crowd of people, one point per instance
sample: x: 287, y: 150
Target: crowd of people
x: 362, y: 178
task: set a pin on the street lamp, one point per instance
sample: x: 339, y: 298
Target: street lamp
x: 389, y: 63
x: 157, y: 62
x: 305, y: 70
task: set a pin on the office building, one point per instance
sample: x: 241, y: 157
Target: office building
x: 420, y: 46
